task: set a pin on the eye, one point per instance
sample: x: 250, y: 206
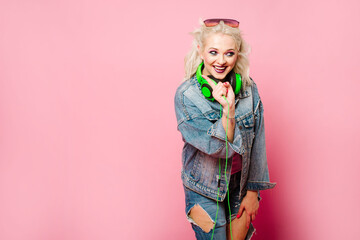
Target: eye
x: 213, y: 52
x: 230, y: 54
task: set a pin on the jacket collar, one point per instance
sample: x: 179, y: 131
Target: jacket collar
x: 243, y: 94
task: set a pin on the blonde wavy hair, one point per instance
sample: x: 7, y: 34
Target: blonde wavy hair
x: 192, y: 59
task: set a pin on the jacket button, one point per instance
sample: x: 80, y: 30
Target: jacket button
x: 240, y: 127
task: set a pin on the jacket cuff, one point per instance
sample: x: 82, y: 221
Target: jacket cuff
x: 255, y: 186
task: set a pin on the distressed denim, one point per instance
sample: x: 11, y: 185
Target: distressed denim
x: 210, y: 206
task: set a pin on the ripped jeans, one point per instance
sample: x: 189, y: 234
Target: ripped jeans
x: 209, y: 205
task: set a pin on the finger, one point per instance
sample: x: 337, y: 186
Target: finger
x: 210, y: 81
x: 240, y: 211
x: 253, y: 217
x: 228, y: 85
x: 219, y: 90
x: 248, y: 220
x: 229, y: 88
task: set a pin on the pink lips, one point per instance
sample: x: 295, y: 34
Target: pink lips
x: 219, y: 70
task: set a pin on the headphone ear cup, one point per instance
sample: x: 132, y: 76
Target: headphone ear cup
x: 233, y: 82
x: 206, y: 89
x: 237, y: 83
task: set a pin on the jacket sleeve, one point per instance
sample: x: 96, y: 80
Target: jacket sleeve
x: 259, y: 173
x: 206, y: 135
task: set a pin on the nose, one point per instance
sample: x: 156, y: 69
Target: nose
x: 221, y: 60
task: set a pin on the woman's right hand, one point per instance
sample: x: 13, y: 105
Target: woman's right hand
x: 219, y: 91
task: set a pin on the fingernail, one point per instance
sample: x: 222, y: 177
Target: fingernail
x: 238, y: 216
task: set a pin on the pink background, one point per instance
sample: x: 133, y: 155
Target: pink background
x: 88, y: 143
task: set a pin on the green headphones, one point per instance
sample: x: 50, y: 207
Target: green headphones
x: 233, y: 78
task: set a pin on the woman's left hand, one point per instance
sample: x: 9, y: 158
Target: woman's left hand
x: 250, y: 204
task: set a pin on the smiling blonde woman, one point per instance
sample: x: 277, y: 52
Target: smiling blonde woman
x: 220, y: 116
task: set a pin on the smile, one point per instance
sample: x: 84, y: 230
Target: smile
x: 219, y: 69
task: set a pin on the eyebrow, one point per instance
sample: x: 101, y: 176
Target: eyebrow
x: 231, y: 49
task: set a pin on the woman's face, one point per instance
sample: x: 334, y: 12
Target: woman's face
x: 219, y: 55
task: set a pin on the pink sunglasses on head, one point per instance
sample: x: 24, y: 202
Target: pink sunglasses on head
x: 215, y: 21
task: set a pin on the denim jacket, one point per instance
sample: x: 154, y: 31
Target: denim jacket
x: 199, y: 122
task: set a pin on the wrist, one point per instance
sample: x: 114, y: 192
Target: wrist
x: 230, y: 115
x: 252, y: 193
x: 226, y: 116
